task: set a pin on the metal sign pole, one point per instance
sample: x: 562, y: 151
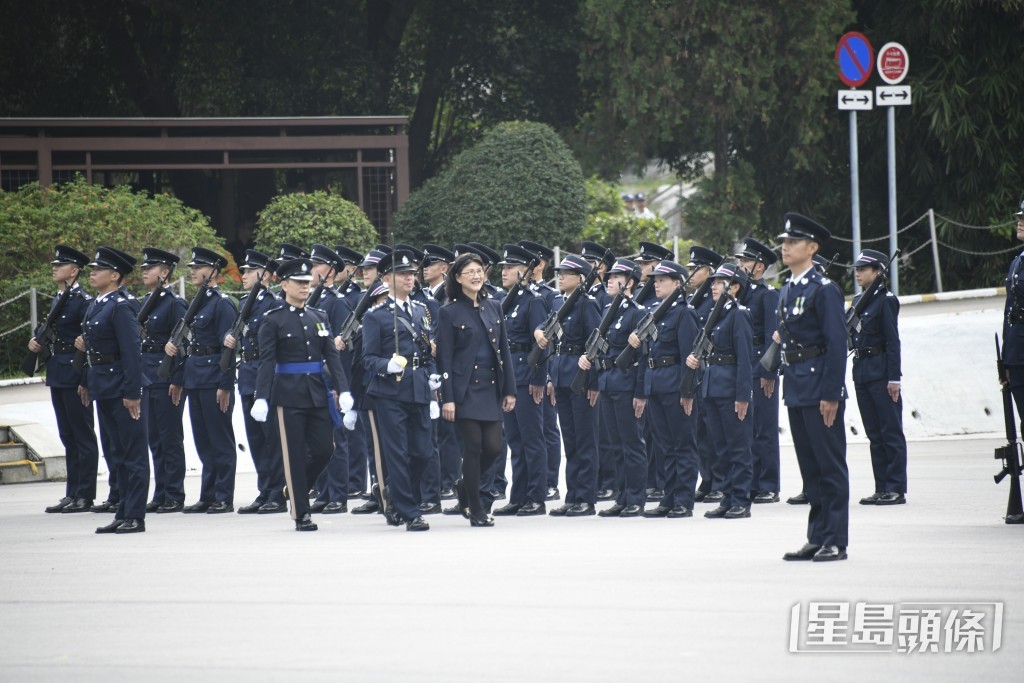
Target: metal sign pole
x: 854, y: 192
x: 894, y: 275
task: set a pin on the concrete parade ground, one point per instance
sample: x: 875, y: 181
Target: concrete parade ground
x: 232, y: 598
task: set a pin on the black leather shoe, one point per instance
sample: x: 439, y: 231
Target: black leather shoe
x: 110, y: 528
x: 872, y: 499
x: 659, y: 511
x: 463, y: 498
x: 417, y: 525
x: 654, y: 495
x: 79, y: 505
x: 453, y: 510
x: 507, y: 510
x: 613, y: 511
x: 313, y: 494
x: 718, y: 513
x: 367, y: 508
x: 196, y: 508
x: 219, y: 508
x: 607, y: 494
x: 798, y: 499
x: 631, y: 511
x: 305, y: 523
x: 447, y: 494
x: 358, y: 495
x: 131, y: 526
x: 61, y: 504
x: 679, y: 512
x: 481, y: 520
x: 272, y: 508
x: 737, y: 512
x: 829, y: 553
x: 430, y: 508
x: 170, y: 506
x: 699, y: 496
x: 391, y: 515
x: 805, y: 553
x: 766, y: 497
x: 553, y: 494
x: 581, y: 510
x: 561, y: 510
x: 153, y: 505
x: 714, y: 497
x: 498, y: 495
x: 888, y: 498
x: 105, y: 506
x: 335, y: 508
x: 252, y: 508
x: 530, y: 509
x: 317, y: 506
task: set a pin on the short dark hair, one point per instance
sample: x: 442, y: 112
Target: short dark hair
x: 451, y: 286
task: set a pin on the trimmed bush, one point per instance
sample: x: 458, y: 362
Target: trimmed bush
x: 315, y: 218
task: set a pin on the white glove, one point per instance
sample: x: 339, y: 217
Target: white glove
x: 350, y: 420
x: 435, y: 410
x: 345, y: 401
x: 434, y: 381
x: 394, y: 368
x: 259, y: 410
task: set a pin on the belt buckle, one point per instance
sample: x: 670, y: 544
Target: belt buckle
x: 650, y: 363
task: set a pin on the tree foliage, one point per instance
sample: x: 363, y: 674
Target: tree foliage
x: 610, y: 226
x: 307, y: 219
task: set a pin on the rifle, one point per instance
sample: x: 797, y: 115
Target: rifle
x: 181, y: 329
x: 46, y: 333
x: 318, y: 291
x: 647, y: 329
x: 239, y: 327
x: 353, y: 323
x: 510, y: 298
x: 701, y: 292
x: 1010, y: 454
x: 597, y: 344
x: 552, y: 327
x: 703, y: 346
x: 151, y: 302
x: 853, y: 323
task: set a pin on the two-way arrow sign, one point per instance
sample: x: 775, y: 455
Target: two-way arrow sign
x: 892, y: 95
x: 855, y: 100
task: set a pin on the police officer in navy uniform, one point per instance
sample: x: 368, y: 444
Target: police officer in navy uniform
x: 344, y: 279
x: 74, y: 421
x: 524, y: 426
x: 163, y: 308
x: 114, y: 380
x: 602, y: 258
x: 258, y: 268
x: 301, y: 378
x: 211, y: 395
x: 622, y: 397
x: 398, y: 376
x: 726, y: 392
x: 576, y: 413
x: 876, y: 379
x: 650, y: 256
x: 670, y: 412
x: 762, y: 301
x: 490, y: 257
x: 436, y: 261
x: 812, y: 332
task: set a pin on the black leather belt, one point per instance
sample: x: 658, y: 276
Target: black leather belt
x: 414, y: 362
x: 802, y: 354
x: 250, y: 356
x: 604, y: 363
x: 569, y: 349
x: 153, y: 348
x: 61, y: 347
x: 721, y: 359
x: 204, y: 351
x: 662, y: 361
x: 520, y: 348
x: 868, y: 351
x: 102, y: 358
x: 759, y: 340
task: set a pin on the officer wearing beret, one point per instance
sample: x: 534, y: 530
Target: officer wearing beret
x: 74, y: 421
x: 299, y: 369
x: 669, y: 411
x: 210, y: 391
x: 552, y: 437
x: 812, y: 332
x: 726, y: 393
x: 762, y: 301
x: 576, y: 413
x: 161, y: 308
x: 258, y: 268
x: 114, y: 380
x: 398, y: 372
x: 876, y: 379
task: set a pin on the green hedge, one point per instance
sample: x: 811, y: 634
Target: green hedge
x: 307, y: 219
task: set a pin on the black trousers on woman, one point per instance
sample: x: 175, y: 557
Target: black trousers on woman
x: 482, y: 444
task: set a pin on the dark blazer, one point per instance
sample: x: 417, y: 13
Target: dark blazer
x: 459, y: 337
x: 112, y: 330
x: 59, y: 373
x: 156, y: 331
x: 677, y: 332
x: 732, y: 337
x: 378, y: 346
x: 878, y: 329
x: 762, y: 300
x: 212, y: 323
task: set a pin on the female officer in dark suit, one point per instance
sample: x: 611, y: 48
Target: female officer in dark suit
x: 477, y: 381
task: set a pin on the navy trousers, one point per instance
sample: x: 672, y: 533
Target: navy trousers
x: 673, y: 432
x: 166, y: 443
x: 107, y: 446
x: 215, y: 443
x: 404, y: 432
x: 821, y: 454
x: 332, y: 481
x: 360, y: 455
x: 128, y: 456
x: 524, y: 429
x: 655, y: 461
x: 265, y: 449
x: 307, y: 442
x: 579, y: 423
x: 627, y: 445
x: 76, y: 431
x: 429, y: 484
x: 608, y: 464
x: 732, y: 449
x: 552, y: 441
x: 712, y: 472
x: 765, y: 445
x: 883, y: 422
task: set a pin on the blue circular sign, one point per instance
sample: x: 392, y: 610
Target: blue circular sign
x: 856, y: 59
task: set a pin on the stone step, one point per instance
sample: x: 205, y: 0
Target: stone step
x: 22, y: 474
x: 12, y: 452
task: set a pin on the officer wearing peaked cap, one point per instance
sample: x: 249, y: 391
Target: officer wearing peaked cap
x: 1013, y: 319
x: 114, y: 380
x: 75, y: 424
x: 762, y: 301
x: 436, y: 260
x: 651, y: 255
x: 812, y: 332
x: 290, y: 252
x: 350, y: 259
x: 161, y: 308
x: 602, y: 258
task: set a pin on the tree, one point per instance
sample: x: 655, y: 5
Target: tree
x: 315, y: 218
x: 611, y: 227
